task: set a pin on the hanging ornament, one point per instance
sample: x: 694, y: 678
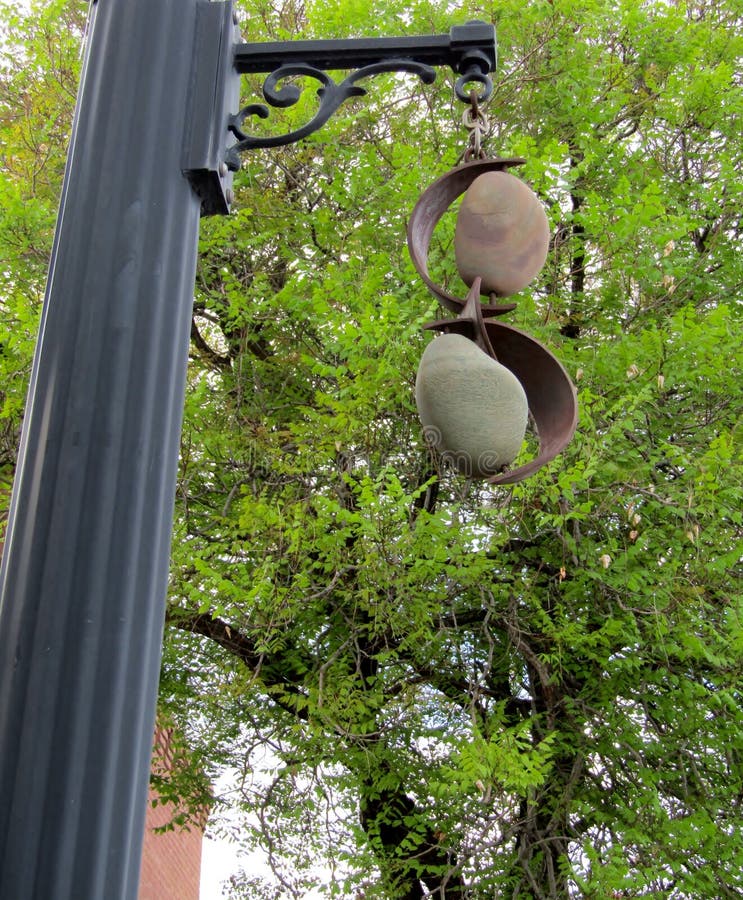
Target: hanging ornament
x: 479, y: 381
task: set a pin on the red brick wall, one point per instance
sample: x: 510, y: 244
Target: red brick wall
x: 171, y: 860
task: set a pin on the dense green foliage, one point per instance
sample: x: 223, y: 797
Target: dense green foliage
x: 429, y: 686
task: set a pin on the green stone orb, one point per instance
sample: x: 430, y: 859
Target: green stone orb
x: 473, y: 410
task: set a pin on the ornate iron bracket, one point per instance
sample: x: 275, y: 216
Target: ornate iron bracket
x: 215, y: 134
x: 331, y: 95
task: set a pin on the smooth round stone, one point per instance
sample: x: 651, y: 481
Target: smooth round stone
x: 502, y: 234
x: 473, y: 409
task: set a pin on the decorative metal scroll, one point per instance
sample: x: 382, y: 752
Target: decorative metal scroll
x: 332, y: 94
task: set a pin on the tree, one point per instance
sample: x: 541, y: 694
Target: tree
x: 38, y: 68
x: 431, y: 686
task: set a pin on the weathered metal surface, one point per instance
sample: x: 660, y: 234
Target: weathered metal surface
x: 553, y: 402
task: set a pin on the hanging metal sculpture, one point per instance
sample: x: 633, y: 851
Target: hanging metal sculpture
x: 481, y: 380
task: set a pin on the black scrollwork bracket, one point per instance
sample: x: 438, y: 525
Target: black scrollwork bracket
x: 216, y: 134
x: 331, y: 95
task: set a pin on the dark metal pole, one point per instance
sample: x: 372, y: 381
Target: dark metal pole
x: 85, y: 564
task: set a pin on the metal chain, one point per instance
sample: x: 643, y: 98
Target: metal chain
x: 475, y: 120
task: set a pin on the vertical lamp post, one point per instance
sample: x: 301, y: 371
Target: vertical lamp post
x: 84, y: 573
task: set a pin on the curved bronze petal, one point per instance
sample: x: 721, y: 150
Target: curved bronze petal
x: 429, y: 209
x: 553, y: 402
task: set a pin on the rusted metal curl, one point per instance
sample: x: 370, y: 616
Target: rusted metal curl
x: 551, y: 395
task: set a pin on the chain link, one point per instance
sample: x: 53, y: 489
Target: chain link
x: 476, y: 122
